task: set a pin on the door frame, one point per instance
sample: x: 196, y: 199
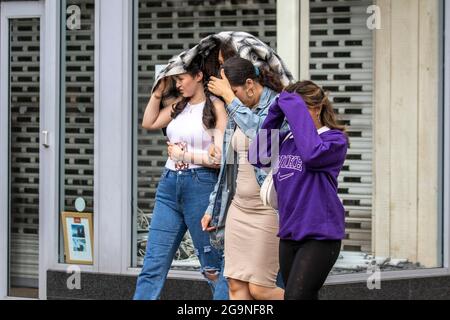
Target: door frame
x: 47, y: 12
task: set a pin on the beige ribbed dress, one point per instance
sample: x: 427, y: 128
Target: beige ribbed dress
x: 251, y: 242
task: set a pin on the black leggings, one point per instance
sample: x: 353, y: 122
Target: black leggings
x: 305, y: 266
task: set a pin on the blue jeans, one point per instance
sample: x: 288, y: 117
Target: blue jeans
x: 181, y: 201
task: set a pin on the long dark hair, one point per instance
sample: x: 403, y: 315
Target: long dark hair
x: 315, y: 97
x: 209, y: 114
x: 238, y: 70
x: 212, y: 66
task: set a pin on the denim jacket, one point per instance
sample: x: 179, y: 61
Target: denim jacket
x: 249, y: 121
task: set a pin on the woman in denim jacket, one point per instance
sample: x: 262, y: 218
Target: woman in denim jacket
x: 250, y: 237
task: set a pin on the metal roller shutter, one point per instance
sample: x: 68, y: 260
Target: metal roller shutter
x: 342, y: 61
x: 77, y: 122
x: 24, y: 151
x: 166, y: 28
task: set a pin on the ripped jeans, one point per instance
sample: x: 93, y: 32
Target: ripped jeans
x: 181, y: 201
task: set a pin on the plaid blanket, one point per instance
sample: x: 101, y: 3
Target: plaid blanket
x: 247, y: 47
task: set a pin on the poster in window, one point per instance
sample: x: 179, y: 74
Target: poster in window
x: 78, y: 238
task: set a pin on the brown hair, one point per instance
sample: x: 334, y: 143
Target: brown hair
x: 209, y: 114
x: 211, y: 66
x: 315, y: 97
x: 227, y: 50
x: 238, y: 70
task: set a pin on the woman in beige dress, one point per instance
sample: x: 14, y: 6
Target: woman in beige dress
x: 251, y: 243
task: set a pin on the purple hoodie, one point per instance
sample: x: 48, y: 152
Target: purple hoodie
x: 308, y: 168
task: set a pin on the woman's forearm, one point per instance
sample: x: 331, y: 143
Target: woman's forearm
x: 228, y: 97
x: 199, y: 159
x: 152, y: 112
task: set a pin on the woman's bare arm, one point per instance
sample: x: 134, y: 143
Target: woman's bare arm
x: 156, y: 118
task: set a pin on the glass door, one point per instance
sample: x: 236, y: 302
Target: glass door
x: 22, y: 138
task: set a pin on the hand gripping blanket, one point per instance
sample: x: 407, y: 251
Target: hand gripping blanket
x: 246, y: 45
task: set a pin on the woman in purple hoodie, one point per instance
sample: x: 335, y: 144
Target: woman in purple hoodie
x: 311, y: 156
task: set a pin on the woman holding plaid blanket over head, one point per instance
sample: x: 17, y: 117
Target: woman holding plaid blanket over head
x: 193, y: 124
x: 250, y: 236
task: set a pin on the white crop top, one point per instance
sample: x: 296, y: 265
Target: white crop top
x: 188, y: 129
